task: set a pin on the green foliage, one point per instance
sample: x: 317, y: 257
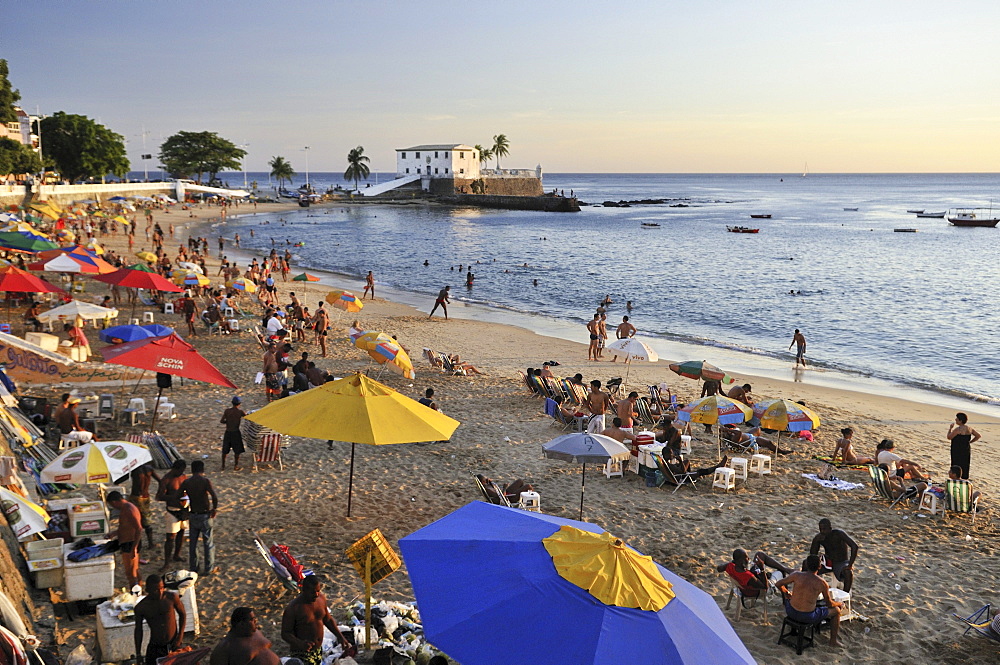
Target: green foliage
x: 357, y: 166
x: 500, y: 145
x: 485, y: 154
x: 82, y: 148
x: 187, y: 154
x: 16, y: 158
x: 8, y: 96
x: 478, y: 186
x: 281, y: 170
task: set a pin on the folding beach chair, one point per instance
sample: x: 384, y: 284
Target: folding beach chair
x: 499, y: 499
x: 646, y: 416
x: 551, y: 409
x: 280, y: 573
x: 538, y: 387
x: 614, y: 387
x: 268, y: 451
x: 958, y: 498
x: 677, y: 479
x: 980, y: 622
x: 883, y: 490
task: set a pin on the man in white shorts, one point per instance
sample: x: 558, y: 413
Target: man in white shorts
x: 176, y: 512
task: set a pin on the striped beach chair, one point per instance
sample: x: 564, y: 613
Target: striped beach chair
x: 958, y: 498
x: 268, y: 451
x: 883, y: 490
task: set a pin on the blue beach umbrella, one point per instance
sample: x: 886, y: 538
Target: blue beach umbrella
x: 491, y: 570
x: 119, y: 334
x: 157, y: 330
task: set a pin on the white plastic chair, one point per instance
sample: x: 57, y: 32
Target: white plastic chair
x: 147, y: 317
x: 168, y: 308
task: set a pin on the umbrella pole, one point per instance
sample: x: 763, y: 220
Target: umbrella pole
x: 350, y: 485
x: 368, y: 600
x: 583, y: 485
x: 156, y: 408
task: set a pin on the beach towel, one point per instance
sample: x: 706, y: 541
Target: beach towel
x: 840, y: 465
x: 287, y: 561
x: 833, y: 484
x: 92, y: 552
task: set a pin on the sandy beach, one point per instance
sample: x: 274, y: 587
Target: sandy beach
x: 939, y: 567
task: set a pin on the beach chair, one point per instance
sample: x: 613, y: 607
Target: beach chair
x: 268, y: 451
x: 527, y: 382
x: 981, y: 623
x: 744, y: 601
x: 449, y: 366
x: 500, y: 499
x: 676, y: 479
x: 614, y: 388
x: 551, y: 409
x: 646, y: 416
x: 883, y: 490
x: 958, y: 498
x: 538, y: 386
x: 657, y: 397
x: 280, y: 573
x: 552, y: 387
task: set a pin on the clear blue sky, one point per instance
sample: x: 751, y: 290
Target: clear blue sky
x: 576, y: 86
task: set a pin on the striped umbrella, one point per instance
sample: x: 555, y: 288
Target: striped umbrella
x: 345, y: 300
x: 785, y: 415
x: 192, y: 279
x: 700, y: 370
x: 242, y: 284
x: 393, y: 356
x: 715, y: 410
x: 305, y: 277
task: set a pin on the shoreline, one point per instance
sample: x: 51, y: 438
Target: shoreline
x: 748, y: 365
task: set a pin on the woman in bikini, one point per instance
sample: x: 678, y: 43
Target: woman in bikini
x: 845, y: 449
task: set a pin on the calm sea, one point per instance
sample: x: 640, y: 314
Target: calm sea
x: 909, y: 308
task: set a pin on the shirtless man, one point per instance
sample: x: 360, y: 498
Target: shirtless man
x: 244, y: 644
x: 321, y: 324
x: 139, y: 495
x: 597, y: 402
x: 303, y: 621
x: 806, y: 588
x: 844, y: 450
x: 602, y: 333
x: 835, y: 544
x: 176, y: 517
x: 369, y: 285
x: 616, y: 432
x: 626, y: 409
x: 442, y: 302
x: 624, y: 330
x: 157, y: 609
x: 741, y: 394
x: 593, y: 327
x: 799, y: 340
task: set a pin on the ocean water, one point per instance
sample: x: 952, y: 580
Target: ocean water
x: 909, y: 308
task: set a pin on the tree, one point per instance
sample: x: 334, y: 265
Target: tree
x: 485, y: 154
x: 82, y: 148
x: 189, y: 153
x: 500, y: 146
x: 357, y: 166
x: 17, y: 158
x: 281, y: 170
x: 8, y: 96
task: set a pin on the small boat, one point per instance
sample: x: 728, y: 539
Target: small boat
x: 934, y: 215
x: 980, y: 217
x: 304, y: 201
x: 904, y: 230
x: 741, y: 229
x: 915, y: 212
x: 850, y: 209
x: 649, y: 224
x: 299, y: 244
x: 760, y: 216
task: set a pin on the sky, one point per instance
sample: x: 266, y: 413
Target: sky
x: 658, y: 87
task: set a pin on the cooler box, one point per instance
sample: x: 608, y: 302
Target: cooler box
x: 86, y: 580
x: 87, y: 520
x: 44, y: 340
x: 59, y: 510
x: 641, y: 439
x: 45, y: 561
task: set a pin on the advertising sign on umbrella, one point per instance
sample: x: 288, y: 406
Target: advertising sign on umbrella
x: 25, y: 517
x: 95, y: 462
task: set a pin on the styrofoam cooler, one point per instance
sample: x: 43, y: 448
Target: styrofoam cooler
x: 87, y: 520
x: 45, y: 561
x: 643, y: 438
x: 86, y: 580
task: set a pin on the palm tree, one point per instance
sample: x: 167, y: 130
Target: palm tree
x: 485, y: 154
x: 357, y: 168
x: 281, y: 170
x: 500, y: 145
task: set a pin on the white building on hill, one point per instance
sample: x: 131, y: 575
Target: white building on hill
x: 449, y: 160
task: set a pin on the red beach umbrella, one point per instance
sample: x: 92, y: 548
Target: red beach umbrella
x: 139, y: 277
x: 13, y: 279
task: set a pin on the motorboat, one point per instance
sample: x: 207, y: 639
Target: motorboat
x: 981, y: 217
x: 741, y: 229
x: 933, y: 215
x: 915, y: 212
x: 904, y: 230
x: 850, y: 209
x: 760, y: 216
x: 650, y: 225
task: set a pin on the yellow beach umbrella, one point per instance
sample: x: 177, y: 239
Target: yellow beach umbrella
x: 95, y: 248
x: 355, y: 409
x: 147, y: 256
x: 607, y: 568
x: 242, y: 284
x: 95, y: 462
x: 25, y: 517
x: 49, y: 210
x: 122, y: 220
x: 345, y: 300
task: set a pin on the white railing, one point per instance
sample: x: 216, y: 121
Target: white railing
x: 509, y: 173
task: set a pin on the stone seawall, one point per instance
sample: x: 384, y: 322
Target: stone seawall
x: 501, y: 186
x: 543, y: 203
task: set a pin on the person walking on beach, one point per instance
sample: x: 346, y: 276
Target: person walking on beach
x: 165, y: 631
x: 799, y: 340
x: 442, y: 302
x: 602, y: 335
x: 142, y: 478
x: 189, y: 307
x: 593, y: 327
x: 962, y: 437
x: 232, y: 439
x: 200, y: 490
x: 369, y: 285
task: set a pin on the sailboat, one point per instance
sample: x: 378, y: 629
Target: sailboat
x: 805, y: 170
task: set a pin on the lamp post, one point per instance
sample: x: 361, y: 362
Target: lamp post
x: 243, y: 164
x: 307, y: 167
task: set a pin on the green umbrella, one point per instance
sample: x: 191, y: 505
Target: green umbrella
x: 305, y: 277
x: 699, y: 369
x: 15, y: 240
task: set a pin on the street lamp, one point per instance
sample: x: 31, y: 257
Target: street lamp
x: 307, y: 167
x: 243, y: 164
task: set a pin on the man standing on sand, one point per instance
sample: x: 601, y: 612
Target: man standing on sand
x: 142, y: 477
x: 593, y: 327
x: 597, y: 402
x: 625, y: 330
x: 442, y: 302
x: 157, y: 609
x: 189, y: 308
x: 369, y: 285
x: 200, y: 490
x: 799, y: 340
x: 303, y: 621
x: 602, y: 333
x: 244, y: 644
x: 177, y: 513
x: 835, y: 544
x: 800, y: 602
x: 321, y: 324
x: 232, y: 439
x: 626, y: 410
x: 129, y: 535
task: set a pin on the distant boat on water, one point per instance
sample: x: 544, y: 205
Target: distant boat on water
x: 650, y: 225
x: 760, y: 216
x: 805, y: 170
x: 935, y: 215
x: 850, y: 209
x: 915, y: 212
x: 981, y: 217
x: 741, y: 229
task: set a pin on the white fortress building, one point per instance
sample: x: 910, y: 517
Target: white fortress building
x: 446, y: 160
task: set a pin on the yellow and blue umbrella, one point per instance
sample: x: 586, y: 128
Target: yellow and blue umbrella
x: 242, y: 284
x: 95, y: 462
x: 393, y: 356
x: 345, y: 300
x: 598, y: 599
x: 785, y: 415
x: 192, y: 278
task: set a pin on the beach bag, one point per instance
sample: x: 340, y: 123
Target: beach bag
x: 287, y: 561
